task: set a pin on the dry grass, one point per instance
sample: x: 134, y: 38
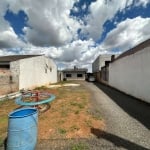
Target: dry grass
x: 68, y: 116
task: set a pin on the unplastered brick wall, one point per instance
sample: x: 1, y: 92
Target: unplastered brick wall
x: 4, y: 76
x: 7, y: 84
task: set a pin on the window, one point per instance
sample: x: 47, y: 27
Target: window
x: 45, y: 70
x: 50, y: 69
x: 80, y: 75
x: 68, y: 75
x: 5, y: 66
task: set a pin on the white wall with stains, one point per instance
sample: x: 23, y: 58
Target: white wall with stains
x: 131, y: 74
x: 36, y: 71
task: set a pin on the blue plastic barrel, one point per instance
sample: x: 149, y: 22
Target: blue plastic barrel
x: 22, y: 129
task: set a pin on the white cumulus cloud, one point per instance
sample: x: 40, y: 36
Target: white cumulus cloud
x: 8, y: 37
x: 103, y: 10
x: 52, y: 31
x: 49, y: 22
x: 128, y: 34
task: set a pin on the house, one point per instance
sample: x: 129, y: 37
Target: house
x: 130, y: 72
x: 99, y: 62
x: 99, y: 68
x: 74, y: 74
x: 26, y: 71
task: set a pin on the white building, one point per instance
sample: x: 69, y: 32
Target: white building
x: 30, y: 71
x: 74, y: 74
x: 100, y: 62
x: 98, y: 66
x: 130, y: 72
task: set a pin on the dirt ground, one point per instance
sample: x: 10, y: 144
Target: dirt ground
x: 70, y: 115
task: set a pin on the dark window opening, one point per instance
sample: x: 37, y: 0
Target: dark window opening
x: 50, y: 69
x: 45, y: 70
x: 5, y: 66
x: 79, y: 75
x: 68, y: 75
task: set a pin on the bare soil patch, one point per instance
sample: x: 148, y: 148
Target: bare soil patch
x: 69, y: 115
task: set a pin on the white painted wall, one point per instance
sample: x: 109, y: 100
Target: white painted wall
x: 100, y: 61
x: 96, y: 64
x: 131, y: 74
x: 36, y: 71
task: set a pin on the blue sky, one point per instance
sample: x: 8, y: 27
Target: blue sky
x: 72, y: 32
x: 17, y: 21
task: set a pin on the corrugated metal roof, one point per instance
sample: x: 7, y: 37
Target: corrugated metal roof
x: 15, y: 57
x: 75, y: 70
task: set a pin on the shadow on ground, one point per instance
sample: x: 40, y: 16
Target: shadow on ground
x: 116, y: 140
x: 134, y: 107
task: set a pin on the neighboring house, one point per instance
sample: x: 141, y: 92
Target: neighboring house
x: 100, y: 62
x: 29, y: 71
x: 74, y: 74
x: 130, y: 72
x: 98, y: 66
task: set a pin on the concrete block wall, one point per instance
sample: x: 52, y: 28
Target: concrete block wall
x: 97, y: 76
x: 4, y: 79
x: 131, y: 74
x: 7, y: 84
x: 96, y: 65
x: 36, y: 71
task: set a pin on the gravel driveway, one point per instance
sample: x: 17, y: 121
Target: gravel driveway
x: 127, y: 119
